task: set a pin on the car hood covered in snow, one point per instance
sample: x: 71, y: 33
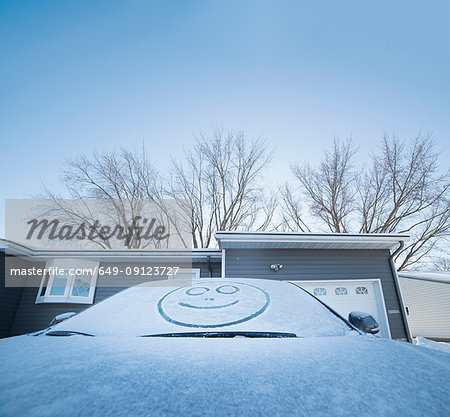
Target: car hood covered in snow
x: 320, y: 376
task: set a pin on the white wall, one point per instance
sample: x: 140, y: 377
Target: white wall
x: 428, y: 303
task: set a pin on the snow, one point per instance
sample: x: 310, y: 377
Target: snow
x: 360, y: 314
x: 422, y: 341
x: 211, y: 304
x: 61, y: 317
x: 320, y: 376
x: 439, y: 276
x: 328, y: 370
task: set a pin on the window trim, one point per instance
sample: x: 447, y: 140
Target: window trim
x: 361, y: 290
x: 192, y: 270
x: 340, y: 291
x: 67, y: 298
x: 323, y: 293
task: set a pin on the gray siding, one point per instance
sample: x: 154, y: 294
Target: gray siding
x: 9, y: 301
x: 30, y: 317
x: 320, y: 265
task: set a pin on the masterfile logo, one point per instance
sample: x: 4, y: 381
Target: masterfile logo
x: 99, y: 224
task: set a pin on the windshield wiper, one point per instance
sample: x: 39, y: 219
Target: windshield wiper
x: 224, y: 334
x: 67, y: 333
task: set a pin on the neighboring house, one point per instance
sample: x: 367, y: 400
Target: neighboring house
x: 427, y: 300
x: 348, y: 272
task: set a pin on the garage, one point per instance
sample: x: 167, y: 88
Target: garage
x: 350, y: 295
x: 349, y: 272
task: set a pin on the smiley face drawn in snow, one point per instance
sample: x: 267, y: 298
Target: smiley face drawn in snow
x: 213, y: 304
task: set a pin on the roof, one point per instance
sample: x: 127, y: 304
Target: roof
x: 192, y: 255
x: 231, y: 240
x: 438, y: 276
x: 278, y: 240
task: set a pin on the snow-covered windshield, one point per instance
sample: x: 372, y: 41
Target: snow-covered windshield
x: 209, y: 305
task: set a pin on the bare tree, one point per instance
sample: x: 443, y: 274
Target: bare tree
x: 121, y: 182
x: 404, y: 193
x: 292, y: 219
x: 442, y: 263
x: 221, y: 178
x: 217, y: 185
x: 330, y: 187
x: 401, y: 192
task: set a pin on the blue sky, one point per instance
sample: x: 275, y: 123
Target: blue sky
x: 79, y: 75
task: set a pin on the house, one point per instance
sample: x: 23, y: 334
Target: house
x: 427, y: 301
x: 348, y: 272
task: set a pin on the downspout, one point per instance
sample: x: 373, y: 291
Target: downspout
x: 209, y: 266
x: 222, y: 267
x: 399, y: 291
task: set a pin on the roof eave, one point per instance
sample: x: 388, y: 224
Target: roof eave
x: 230, y: 240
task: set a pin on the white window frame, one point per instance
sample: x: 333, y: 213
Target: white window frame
x: 67, y: 297
x: 319, y: 288
x: 195, y: 271
x: 361, y: 291
x: 342, y: 291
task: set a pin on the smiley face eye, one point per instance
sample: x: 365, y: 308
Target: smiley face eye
x: 197, y: 291
x: 227, y: 289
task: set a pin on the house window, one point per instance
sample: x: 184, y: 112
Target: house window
x: 193, y: 273
x: 68, y: 281
x: 320, y: 291
x: 341, y: 291
x: 361, y: 290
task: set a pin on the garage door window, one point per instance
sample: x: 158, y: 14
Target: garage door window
x: 341, y: 291
x: 361, y: 290
x: 320, y: 291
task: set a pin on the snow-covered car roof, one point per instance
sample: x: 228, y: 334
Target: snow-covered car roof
x: 246, y: 305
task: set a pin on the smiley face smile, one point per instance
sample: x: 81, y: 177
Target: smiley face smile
x: 208, y: 307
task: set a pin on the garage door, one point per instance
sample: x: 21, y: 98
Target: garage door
x: 347, y: 296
